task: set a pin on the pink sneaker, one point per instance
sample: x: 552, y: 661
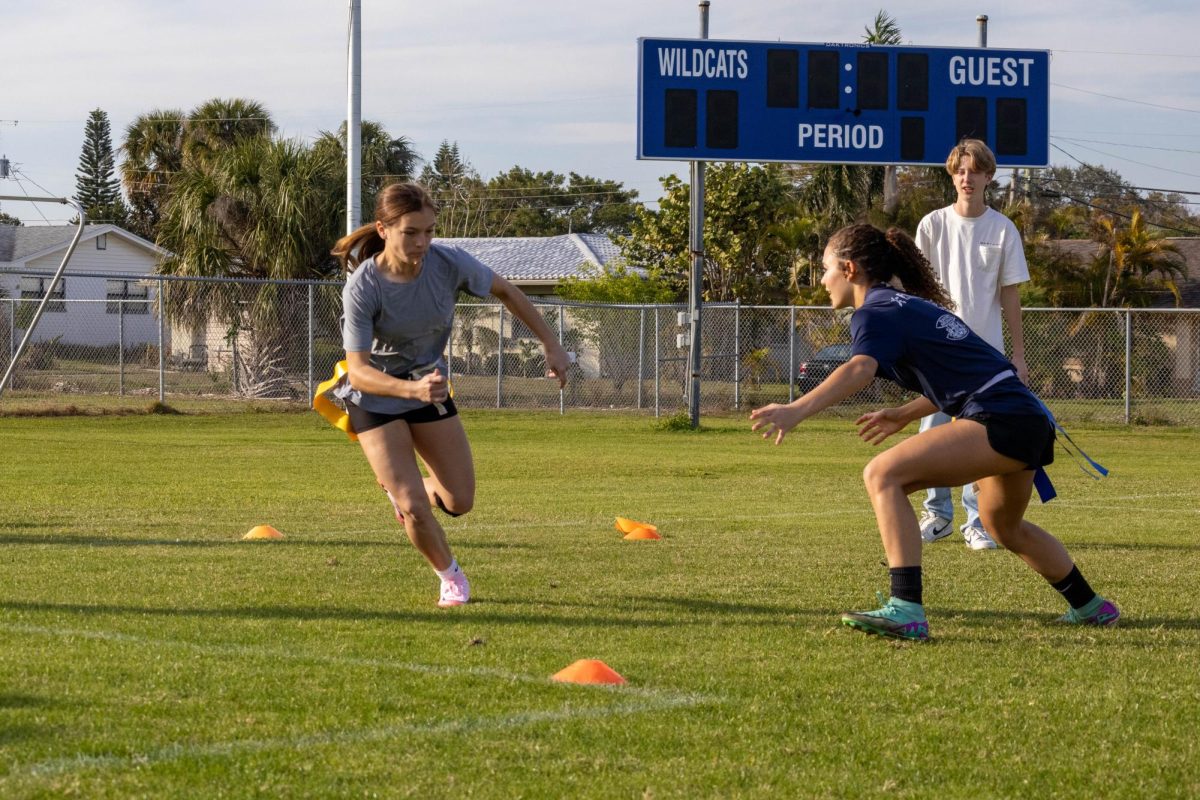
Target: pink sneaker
x: 455, y: 591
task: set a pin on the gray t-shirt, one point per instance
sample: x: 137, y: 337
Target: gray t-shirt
x: 406, y: 326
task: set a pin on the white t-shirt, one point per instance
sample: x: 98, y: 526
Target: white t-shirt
x: 974, y: 257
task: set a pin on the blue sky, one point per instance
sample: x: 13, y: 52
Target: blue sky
x: 549, y: 84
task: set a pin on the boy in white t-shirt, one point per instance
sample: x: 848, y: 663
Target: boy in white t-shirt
x: 976, y: 253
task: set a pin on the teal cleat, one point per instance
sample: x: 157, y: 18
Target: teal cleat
x: 899, y: 619
x: 1098, y: 612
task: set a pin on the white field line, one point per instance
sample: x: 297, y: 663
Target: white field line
x: 236, y: 747
x: 274, y: 654
x: 642, y: 700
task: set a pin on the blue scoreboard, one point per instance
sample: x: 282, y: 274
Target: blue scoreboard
x: 712, y: 100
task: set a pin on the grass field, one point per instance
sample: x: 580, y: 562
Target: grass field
x: 146, y: 652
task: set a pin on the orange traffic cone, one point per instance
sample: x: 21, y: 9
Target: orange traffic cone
x: 630, y: 525
x: 263, y: 532
x: 643, y: 532
x: 588, y: 670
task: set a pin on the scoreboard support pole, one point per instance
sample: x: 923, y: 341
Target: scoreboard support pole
x: 696, y: 280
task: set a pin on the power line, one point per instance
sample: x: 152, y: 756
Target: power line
x: 1130, y: 160
x: 1109, y: 210
x: 1135, y: 146
x: 1125, y: 99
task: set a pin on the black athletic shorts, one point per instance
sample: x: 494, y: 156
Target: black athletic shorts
x: 364, y: 420
x: 1028, y: 438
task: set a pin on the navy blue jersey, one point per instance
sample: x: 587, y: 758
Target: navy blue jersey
x: 928, y: 350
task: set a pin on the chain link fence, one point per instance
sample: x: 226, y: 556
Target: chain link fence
x: 164, y: 338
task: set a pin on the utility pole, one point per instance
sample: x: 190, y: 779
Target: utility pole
x: 354, y: 119
x: 696, y: 247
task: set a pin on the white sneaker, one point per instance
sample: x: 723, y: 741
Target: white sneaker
x: 455, y: 591
x: 934, y: 527
x: 978, y: 539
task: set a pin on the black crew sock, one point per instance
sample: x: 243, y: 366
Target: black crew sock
x: 906, y: 583
x: 1075, y: 589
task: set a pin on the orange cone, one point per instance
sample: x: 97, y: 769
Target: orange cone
x: 588, y: 670
x: 263, y: 532
x: 630, y: 525
x: 642, y: 532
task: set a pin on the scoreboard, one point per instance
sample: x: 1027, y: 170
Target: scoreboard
x: 713, y: 100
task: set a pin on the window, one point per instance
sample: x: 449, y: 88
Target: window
x: 127, y: 294
x: 102, y: 241
x: 34, y: 288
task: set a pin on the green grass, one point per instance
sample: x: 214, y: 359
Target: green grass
x: 146, y: 652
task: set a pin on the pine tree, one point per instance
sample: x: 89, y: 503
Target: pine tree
x: 96, y: 187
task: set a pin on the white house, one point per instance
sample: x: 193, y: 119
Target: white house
x: 83, y: 310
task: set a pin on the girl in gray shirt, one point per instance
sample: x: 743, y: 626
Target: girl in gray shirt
x: 398, y: 305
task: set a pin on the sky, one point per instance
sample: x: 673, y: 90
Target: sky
x: 548, y: 84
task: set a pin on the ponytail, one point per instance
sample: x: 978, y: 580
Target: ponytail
x: 884, y: 256
x: 357, y: 246
x: 913, y: 270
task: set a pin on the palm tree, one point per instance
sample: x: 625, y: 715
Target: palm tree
x: 1136, y: 262
x: 385, y: 159
x: 220, y: 124
x: 260, y: 208
x: 160, y: 143
x: 152, y: 156
x: 886, y: 30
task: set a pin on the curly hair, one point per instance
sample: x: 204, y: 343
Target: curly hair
x: 393, y: 202
x: 894, y: 254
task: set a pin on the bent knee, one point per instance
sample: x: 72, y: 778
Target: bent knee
x: 878, y: 474
x: 414, y: 505
x: 455, y: 505
x: 1007, y: 535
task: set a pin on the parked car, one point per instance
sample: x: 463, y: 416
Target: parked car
x: 810, y: 373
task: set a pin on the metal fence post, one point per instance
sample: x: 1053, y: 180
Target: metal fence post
x: 311, y: 336
x: 162, y: 339
x: 1128, y: 362
x: 657, y: 362
x: 641, y: 353
x: 121, y: 347
x: 12, y: 328
x: 500, y: 361
x: 792, y: 355
x: 562, y: 398
x: 737, y: 354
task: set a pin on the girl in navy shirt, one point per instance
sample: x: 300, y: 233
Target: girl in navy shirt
x: 901, y: 330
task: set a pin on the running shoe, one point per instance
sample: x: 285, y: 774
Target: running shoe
x: 455, y: 591
x: 1098, y: 612
x: 899, y: 619
x: 978, y: 539
x: 934, y: 527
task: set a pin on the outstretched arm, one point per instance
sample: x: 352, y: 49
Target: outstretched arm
x: 515, y: 301
x: 844, y: 381
x: 876, y: 426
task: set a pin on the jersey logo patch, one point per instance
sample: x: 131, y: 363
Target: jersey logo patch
x: 955, y: 328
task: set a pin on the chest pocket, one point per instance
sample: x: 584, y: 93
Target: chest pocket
x: 990, y: 256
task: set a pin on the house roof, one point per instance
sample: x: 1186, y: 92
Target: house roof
x: 20, y: 243
x: 1188, y: 246
x: 540, y: 258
